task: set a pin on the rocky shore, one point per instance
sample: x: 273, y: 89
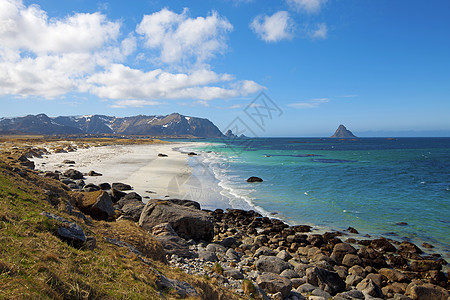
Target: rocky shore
x: 261, y: 257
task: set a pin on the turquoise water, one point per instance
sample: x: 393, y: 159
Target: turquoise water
x: 369, y: 184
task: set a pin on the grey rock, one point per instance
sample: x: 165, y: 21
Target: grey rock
x: 229, y: 242
x: 284, y: 255
x: 351, y: 260
x: 216, y: 248
x: 340, y: 250
x: 289, y: 273
x: 104, y: 186
x: 183, y: 289
x: 350, y: 295
x: 353, y: 280
x: 233, y: 273
x: 73, y: 174
x: 321, y: 293
x: 184, y: 202
x: 326, y: 280
x: 369, y: 288
x: 132, y: 211
x: 121, y: 186
x: 171, y: 242
x: 232, y: 255
x: 426, y: 291
x: 306, y: 288
x: 274, y: 283
x: 272, y: 264
x: 102, y: 209
x: 207, y: 256
x: 187, y: 222
x: 70, y: 232
x: 266, y: 251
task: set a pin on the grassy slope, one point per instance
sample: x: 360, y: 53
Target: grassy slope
x: 34, y: 263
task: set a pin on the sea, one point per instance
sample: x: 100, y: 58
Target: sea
x: 393, y: 187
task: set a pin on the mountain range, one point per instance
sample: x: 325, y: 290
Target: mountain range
x: 170, y: 125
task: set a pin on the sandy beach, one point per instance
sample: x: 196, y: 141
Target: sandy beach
x: 138, y: 165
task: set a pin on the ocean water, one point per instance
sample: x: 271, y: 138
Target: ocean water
x: 370, y: 184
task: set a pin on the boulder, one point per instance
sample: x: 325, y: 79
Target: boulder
x: 132, y: 211
x: 274, y: 283
x: 393, y: 275
x: 284, y: 255
x: 90, y: 187
x: 369, y: 288
x: 340, y: 250
x: 254, y: 179
x: 233, y: 273
x: 93, y: 173
x: 382, y: 245
x: 327, y: 280
x: 192, y: 154
x: 183, y: 202
x: 171, y: 242
x: 353, y: 295
x: 183, y: 289
x: 104, y: 186
x: 96, y: 204
x: 207, y: 256
x: 162, y: 155
x: 272, y: 264
x: 69, y: 231
x: 408, y: 247
x: 121, y: 186
x: 425, y: 265
x: 187, y: 222
x: 426, y: 291
x: 266, y: 251
x: 73, y: 174
x: 351, y: 260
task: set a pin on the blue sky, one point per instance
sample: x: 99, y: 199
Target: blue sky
x: 379, y: 67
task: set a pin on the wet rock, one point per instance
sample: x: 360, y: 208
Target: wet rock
x: 68, y: 162
x: 382, y: 245
x: 393, y: 275
x: 254, y: 179
x: 272, y: 264
x: 187, y: 222
x: 426, y: 291
x: 428, y: 246
x: 327, y: 280
x: 409, y: 248
x: 352, y: 230
x: 90, y: 187
x: 162, y: 155
x: 73, y: 174
x: 274, y: 283
x: 121, y: 186
x: 192, y: 154
x: 369, y: 288
x: 425, y: 265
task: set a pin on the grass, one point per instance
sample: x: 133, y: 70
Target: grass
x: 36, y: 264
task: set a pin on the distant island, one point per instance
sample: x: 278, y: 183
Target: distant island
x: 343, y: 133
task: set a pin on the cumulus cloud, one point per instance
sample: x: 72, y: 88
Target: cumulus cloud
x: 308, y: 6
x: 320, y: 32
x: 312, y: 103
x: 181, y: 39
x: 273, y: 28
x: 85, y: 52
x: 122, y: 82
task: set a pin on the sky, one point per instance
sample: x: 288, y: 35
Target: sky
x: 275, y: 68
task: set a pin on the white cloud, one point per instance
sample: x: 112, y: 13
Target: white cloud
x: 181, y: 39
x: 308, y: 6
x: 320, y: 32
x: 49, y: 57
x: 273, y: 28
x: 312, y: 103
x: 122, y: 82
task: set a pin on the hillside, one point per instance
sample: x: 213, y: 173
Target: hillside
x: 170, y: 125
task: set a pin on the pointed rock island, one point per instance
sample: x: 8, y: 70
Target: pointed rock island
x: 343, y: 133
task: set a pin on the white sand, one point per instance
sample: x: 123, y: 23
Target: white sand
x: 137, y: 165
